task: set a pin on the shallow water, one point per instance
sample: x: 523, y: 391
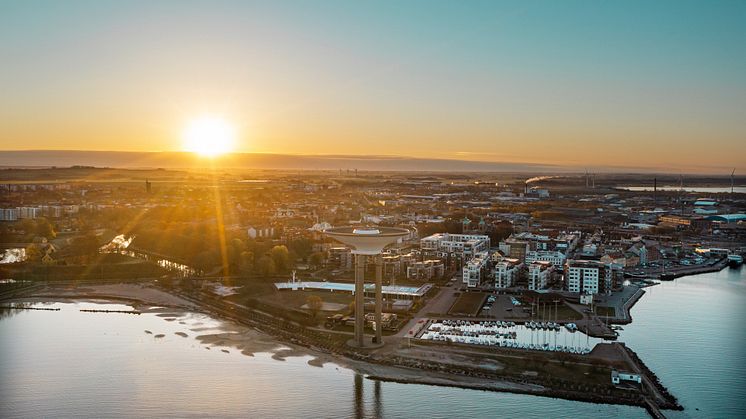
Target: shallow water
x: 72, y: 364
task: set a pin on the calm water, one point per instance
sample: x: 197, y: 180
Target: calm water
x: 701, y: 189
x: 68, y: 363
x: 690, y: 332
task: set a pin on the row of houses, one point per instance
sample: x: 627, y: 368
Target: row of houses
x: 52, y: 211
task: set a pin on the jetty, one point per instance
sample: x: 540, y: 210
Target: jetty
x: 28, y: 308
x: 110, y: 311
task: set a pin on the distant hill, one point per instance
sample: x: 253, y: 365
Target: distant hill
x: 260, y: 161
x: 122, y: 159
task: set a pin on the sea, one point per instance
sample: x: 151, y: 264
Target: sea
x: 69, y: 363
x: 695, y: 189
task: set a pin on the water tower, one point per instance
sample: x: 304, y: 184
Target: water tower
x: 367, y: 241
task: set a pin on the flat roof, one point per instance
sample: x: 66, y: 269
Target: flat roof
x: 728, y: 218
x: 350, y: 287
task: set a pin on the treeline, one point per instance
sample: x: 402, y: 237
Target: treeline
x: 202, y: 247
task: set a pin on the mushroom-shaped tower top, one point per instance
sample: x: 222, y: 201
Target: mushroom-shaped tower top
x: 366, y: 240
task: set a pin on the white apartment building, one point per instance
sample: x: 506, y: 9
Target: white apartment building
x: 474, y: 269
x: 466, y: 245
x: 554, y: 257
x: 591, y: 277
x: 426, y: 270
x: 539, y: 274
x: 8, y: 214
x: 506, y: 272
x: 29, y: 212
x: 260, y: 232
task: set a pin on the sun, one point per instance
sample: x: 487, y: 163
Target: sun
x: 209, y: 136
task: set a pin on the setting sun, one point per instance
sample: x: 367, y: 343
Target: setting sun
x: 209, y: 136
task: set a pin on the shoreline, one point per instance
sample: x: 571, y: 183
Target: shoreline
x: 299, y: 341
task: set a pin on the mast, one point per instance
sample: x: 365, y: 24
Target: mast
x: 731, y: 183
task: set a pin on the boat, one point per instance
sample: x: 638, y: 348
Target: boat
x: 667, y: 277
x: 734, y: 261
x: 571, y: 327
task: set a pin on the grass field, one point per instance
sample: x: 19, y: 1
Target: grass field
x: 468, y: 304
x: 295, y: 299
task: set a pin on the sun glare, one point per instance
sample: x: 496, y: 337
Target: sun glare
x: 209, y: 136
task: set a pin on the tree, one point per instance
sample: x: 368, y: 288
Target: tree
x: 281, y: 257
x: 316, y: 259
x: 235, y: 247
x: 315, y: 304
x: 206, y: 260
x: 44, y: 229
x: 246, y: 262
x: 84, y: 246
x: 501, y: 231
x: 301, y: 247
x: 33, y: 254
x: 265, y: 266
x: 28, y: 226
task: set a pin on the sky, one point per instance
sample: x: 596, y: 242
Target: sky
x: 599, y: 83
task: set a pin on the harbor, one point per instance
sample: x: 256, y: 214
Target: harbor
x: 534, y: 336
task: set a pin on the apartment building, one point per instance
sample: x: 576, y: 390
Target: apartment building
x: 475, y: 269
x: 506, y: 272
x: 426, y: 270
x: 591, y: 277
x: 466, y: 245
x: 539, y: 274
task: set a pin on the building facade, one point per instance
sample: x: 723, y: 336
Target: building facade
x: 475, y: 269
x: 591, y: 277
x: 506, y: 272
x: 466, y: 245
x: 539, y: 274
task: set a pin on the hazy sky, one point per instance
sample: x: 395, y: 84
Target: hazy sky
x: 620, y: 83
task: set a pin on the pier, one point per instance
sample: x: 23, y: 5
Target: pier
x: 28, y: 308
x: 110, y: 311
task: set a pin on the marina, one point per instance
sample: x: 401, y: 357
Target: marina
x: 536, y: 336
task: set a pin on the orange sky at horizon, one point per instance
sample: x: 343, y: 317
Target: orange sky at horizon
x: 596, y: 86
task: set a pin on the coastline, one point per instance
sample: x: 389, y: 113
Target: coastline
x: 286, y: 339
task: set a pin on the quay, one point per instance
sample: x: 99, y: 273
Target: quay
x: 693, y: 270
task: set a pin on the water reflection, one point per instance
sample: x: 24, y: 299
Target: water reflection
x: 378, y: 406
x: 54, y: 364
x: 359, y: 398
x: 120, y: 244
x: 13, y: 255
x: 11, y: 309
